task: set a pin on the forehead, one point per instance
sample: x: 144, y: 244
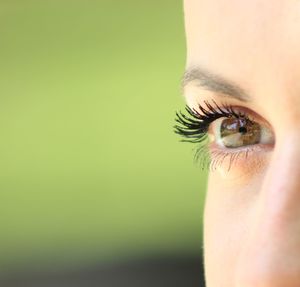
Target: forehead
x: 255, y: 43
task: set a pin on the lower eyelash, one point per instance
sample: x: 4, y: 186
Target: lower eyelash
x: 208, y: 159
x: 218, y: 158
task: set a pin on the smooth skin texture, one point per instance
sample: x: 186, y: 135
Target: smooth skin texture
x: 252, y: 211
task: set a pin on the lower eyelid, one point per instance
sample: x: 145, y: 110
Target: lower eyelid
x: 250, y: 157
x: 260, y: 147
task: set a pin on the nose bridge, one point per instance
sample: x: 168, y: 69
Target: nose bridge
x: 271, y: 255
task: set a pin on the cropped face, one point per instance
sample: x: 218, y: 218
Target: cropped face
x: 242, y: 86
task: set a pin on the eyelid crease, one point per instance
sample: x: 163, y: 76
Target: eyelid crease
x: 214, y: 82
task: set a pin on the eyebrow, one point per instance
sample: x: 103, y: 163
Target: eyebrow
x: 215, y: 83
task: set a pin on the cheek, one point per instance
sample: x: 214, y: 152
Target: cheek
x: 238, y: 170
x: 227, y: 217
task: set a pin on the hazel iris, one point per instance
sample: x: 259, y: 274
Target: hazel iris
x: 238, y: 132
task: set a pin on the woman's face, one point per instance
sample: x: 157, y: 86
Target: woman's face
x: 247, y: 54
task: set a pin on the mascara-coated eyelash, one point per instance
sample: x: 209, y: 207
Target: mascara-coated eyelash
x: 194, y: 127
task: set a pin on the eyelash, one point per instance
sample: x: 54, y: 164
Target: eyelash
x: 194, y: 128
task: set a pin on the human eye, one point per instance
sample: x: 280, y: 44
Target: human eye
x: 223, y: 133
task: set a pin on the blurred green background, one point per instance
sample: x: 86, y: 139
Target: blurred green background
x: 91, y: 170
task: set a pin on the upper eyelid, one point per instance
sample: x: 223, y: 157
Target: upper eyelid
x: 239, y: 110
x: 253, y: 116
x: 223, y: 109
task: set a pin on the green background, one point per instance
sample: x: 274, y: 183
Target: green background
x: 91, y: 170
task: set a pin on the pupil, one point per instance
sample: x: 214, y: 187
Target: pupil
x: 243, y: 130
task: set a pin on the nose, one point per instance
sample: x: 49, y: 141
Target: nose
x: 271, y: 254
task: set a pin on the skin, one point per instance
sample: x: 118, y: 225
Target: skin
x: 252, y: 211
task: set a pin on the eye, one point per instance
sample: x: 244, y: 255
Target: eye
x: 239, y: 132
x: 223, y: 132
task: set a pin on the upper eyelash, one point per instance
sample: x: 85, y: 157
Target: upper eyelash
x: 194, y: 127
